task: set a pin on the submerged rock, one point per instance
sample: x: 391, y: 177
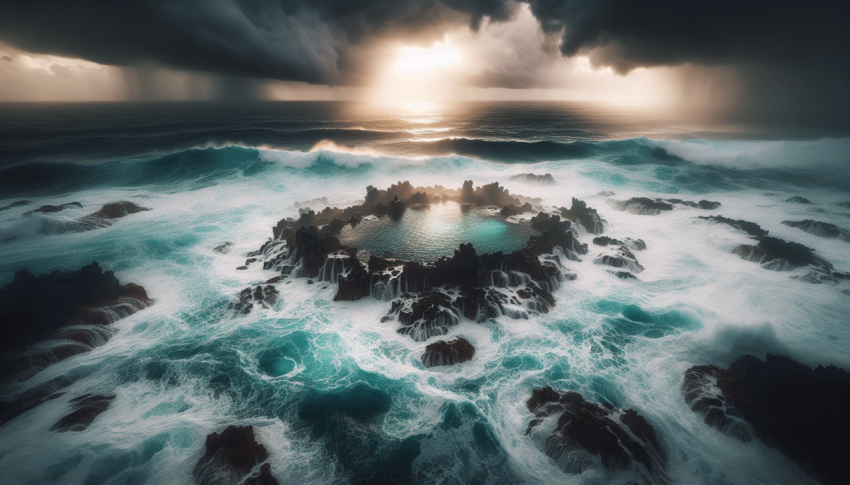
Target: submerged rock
x: 641, y: 206
x: 115, y: 210
x: 85, y: 409
x: 19, y: 203
x: 634, y: 244
x: 530, y: 178
x: 223, y: 248
x: 230, y: 456
x: 820, y: 229
x: 750, y: 228
x: 512, y: 210
x: 779, y: 255
x: 587, y: 434
x: 264, y: 296
x: 623, y: 275
x: 584, y: 215
x: 621, y: 257
x: 798, y: 200
x: 46, y: 209
x: 450, y: 352
x: 796, y: 409
x: 703, y: 204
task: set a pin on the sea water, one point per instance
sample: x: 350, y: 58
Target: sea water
x: 337, y: 396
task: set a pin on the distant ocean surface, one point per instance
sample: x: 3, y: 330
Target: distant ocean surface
x: 212, y: 173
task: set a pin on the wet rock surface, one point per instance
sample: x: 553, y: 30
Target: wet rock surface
x: 620, y: 257
x: 588, y: 434
x: 796, y: 409
x: 633, y: 244
x: 820, y: 229
x: 530, y: 178
x: 641, y: 206
x: 798, y: 200
x: 588, y: 217
x: 47, y: 209
x: 443, y: 353
x: 19, y: 203
x: 116, y: 210
x: 85, y: 409
x: 230, y: 456
x: 32, y: 307
x: 780, y: 255
x: 264, y: 296
x: 750, y: 228
x: 703, y: 204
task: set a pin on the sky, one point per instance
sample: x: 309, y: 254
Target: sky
x: 783, y: 59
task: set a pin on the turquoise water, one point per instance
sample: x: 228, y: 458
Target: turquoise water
x: 426, y: 234
x: 336, y: 395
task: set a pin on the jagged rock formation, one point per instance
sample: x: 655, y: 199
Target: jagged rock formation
x: 798, y: 200
x: 633, y: 244
x: 85, y: 409
x: 530, y: 178
x: 223, y: 248
x: 620, y: 257
x: 19, y: 203
x: 641, y: 206
x: 264, y: 296
x: 703, y: 204
x: 587, y: 434
x: 580, y: 213
x: 512, y: 210
x: 820, y: 229
x: 230, y: 457
x: 750, y: 228
x: 450, y: 352
x: 789, y: 406
x: 780, y: 255
x: 431, y: 297
x: 116, y: 210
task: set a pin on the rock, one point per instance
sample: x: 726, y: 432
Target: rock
x: 230, y: 456
x: 223, y: 248
x: 16, y: 204
x: 641, y: 206
x: 820, y: 229
x: 587, y: 434
x: 395, y: 209
x: 543, y: 221
x: 623, y: 275
x: 703, y: 204
x: 798, y: 200
x: 115, y: 210
x: 46, y: 209
x: 530, y: 178
x: 620, y: 258
x: 584, y: 215
x: 265, y: 296
x: 447, y: 353
x: 794, y: 408
x: 32, y: 307
x: 605, y: 193
x: 265, y: 477
x: 85, y: 409
x: 779, y: 255
x: 494, y: 194
x: 241, y: 268
x: 512, y: 210
x: 467, y: 193
x: 634, y: 244
x: 709, y: 205
x: 750, y: 228
x: 274, y: 280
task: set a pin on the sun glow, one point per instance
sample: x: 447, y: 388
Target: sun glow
x: 417, y: 60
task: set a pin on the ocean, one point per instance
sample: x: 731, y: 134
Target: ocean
x: 336, y: 395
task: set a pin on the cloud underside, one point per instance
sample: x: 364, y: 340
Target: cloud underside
x: 776, y: 49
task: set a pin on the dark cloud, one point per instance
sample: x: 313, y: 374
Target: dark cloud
x: 295, y: 40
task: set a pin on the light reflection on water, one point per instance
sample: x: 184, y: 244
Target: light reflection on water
x: 426, y: 234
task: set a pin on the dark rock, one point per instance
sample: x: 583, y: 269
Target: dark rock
x: 274, y: 280
x: 584, y: 215
x: 447, y: 353
x: 620, y: 258
x: 512, y: 210
x: 46, y: 209
x: 703, y: 204
x: 16, y: 204
x: 265, y: 296
x: 604, y: 241
x: 306, y: 219
x: 223, y: 248
x: 355, y: 219
x: 709, y: 205
x: 796, y: 409
x: 241, y: 268
x: 264, y: 477
x: 419, y: 198
x: 335, y: 226
x: 34, y: 397
x: 641, y: 206
x: 702, y: 390
x: 230, y: 456
x: 634, y: 244
x: 623, y: 275
x: 494, y: 194
x: 798, y: 200
x: 586, y: 432
x: 543, y: 221
x: 32, y: 307
x: 780, y: 255
x: 530, y: 178
x: 750, y: 228
x: 115, y: 210
x: 820, y: 229
x: 85, y: 409
x: 395, y: 208
x: 309, y: 282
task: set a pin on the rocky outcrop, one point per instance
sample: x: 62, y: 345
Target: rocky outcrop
x: 641, y: 206
x: 633, y: 244
x: 450, y: 352
x: 223, y: 248
x: 85, y: 409
x: 798, y: 200
x: 820, y: 229
x: 587, y: 434
x: 620, y: 257
x: 796, y: 409
x: 750, y: 228
x: 530, y: 178
x: 116, y: 210
x: 33, y: 307
x: 580, y: 213
x: 19, y: 203
x: 512, y: 210
x: 703, y: 204
x: 779, y: 255
x: 263, y: 296
x: 230, y: 457
x: 395, y: 208
x: 47, y: 209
